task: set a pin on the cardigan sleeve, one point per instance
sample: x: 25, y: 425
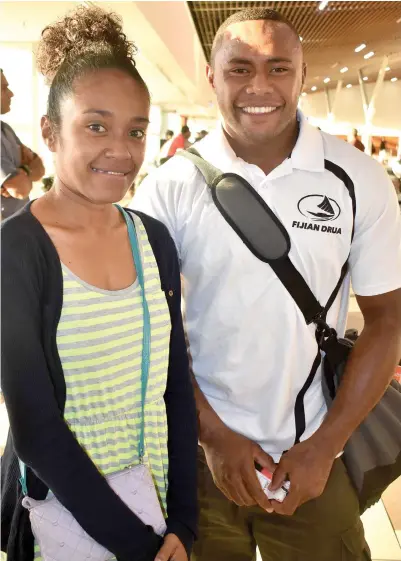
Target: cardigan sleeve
x: 179, y: 396
x: 41, y: 437
x: 182, y: 426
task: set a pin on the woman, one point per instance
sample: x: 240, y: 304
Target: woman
x: 74, y: 313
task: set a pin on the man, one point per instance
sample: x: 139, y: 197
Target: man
x: 354, y: 140
x: 251, y: 349
x: 19, y: 165
x: 180, y: 142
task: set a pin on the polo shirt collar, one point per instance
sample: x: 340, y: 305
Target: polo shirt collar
x: 308, y: 152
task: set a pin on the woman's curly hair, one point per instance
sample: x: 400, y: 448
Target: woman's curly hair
x: 85, y: 40
x: 85, y: 30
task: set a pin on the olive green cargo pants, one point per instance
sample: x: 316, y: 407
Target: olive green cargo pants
x: 324, y: 529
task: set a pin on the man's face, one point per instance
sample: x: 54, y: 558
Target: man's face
x: 6, y: 95
x: 258, y: 74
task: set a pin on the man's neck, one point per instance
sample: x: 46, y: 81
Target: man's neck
x: 270, y: 154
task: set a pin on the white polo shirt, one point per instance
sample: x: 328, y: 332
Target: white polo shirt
x: 251, y: 348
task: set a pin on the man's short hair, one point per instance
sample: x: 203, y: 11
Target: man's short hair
x: 169, y: 132
x: 249, y: 14
x: 184, y: 129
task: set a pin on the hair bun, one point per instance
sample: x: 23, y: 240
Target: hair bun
x: 84, y: 30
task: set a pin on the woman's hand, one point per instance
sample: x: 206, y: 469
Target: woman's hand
x: 172, y: 550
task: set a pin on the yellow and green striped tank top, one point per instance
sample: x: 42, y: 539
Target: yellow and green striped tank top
x: 99, y: 339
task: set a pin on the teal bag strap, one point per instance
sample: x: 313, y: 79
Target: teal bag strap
x: 145, y: 343
x: 146, y: 324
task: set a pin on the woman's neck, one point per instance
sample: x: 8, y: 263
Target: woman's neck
x: 71, y: 210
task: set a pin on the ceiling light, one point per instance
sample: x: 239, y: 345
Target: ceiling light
x: 349, y: 86
x: 369, y: 55
x: 345, y: 69
x: 304, y: 94
x: 313, y: 88
x: 323, y: 4
x: 360, y: 48
x: 388, y: 68
x: 394, y: 79
x: 301, y: 38
x: 365, y: 79
x: 326, y: 80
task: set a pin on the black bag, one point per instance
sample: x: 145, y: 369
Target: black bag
x: 373, y: 453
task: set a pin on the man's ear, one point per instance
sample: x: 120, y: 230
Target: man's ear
x: 48, y: 134
x: 210, y: 75
x: 304, y: 69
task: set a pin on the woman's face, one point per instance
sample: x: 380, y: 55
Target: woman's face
x: 100, y: 146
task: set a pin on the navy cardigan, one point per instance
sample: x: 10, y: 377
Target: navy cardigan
x: 35, y: 393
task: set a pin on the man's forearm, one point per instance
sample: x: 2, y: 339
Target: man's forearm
x: 368, y: 372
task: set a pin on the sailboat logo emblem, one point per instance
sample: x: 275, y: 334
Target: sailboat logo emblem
x: 319, y: 207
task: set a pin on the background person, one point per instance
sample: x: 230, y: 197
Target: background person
x: 180, y: 142
x: 355, y: 141
x: 19, y: 165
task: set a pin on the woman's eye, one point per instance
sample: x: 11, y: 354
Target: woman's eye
x: 137, y: 133
x: 95, y: 127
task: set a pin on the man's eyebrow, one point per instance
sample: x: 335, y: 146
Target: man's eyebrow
x: 238, y: 60
x: 105, y: 113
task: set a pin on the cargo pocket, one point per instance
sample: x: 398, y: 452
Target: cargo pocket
x: 353, y: 544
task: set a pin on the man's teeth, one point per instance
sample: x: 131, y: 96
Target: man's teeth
x: 109, y: 172
x: 259, y: 109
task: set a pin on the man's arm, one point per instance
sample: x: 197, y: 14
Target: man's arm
x: 375, y: 265
x: 368, y: 372
x: 34, y: 163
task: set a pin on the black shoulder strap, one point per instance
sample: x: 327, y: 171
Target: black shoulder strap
x: 285, y: 270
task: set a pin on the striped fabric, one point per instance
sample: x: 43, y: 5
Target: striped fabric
x: 99, y: 340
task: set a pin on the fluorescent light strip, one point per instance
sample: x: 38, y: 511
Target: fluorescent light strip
x: 345, y: 69
x: 349, y: 86
x: 323, y: 4
x: 365, y: 79
x: 394, y: 79
x: 314, y: 88
x: 360, y: 48
x: 326, y: 80
x: 369, y: 55
x: 388, y: 68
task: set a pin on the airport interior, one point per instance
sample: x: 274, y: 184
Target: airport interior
x: 353, y: 54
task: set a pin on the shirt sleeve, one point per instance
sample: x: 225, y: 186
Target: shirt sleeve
x: 375, y: 259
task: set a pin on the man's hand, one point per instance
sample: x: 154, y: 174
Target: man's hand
x: 307, y: 465
x: 172, y: 550
x: 27, y: 155
x: 4, y: 193
x: 37, y: 169
x: 231, y: 459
